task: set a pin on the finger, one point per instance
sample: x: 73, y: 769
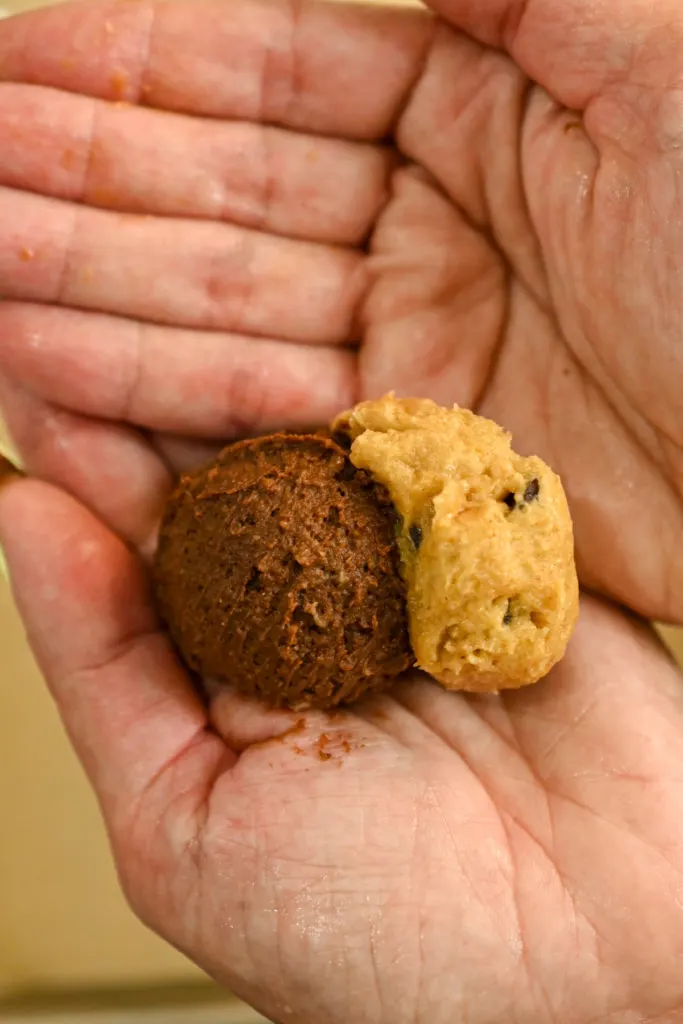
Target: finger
x: 483, y: 106
x: 182, y: 454
x: 184, y: 382
x: 436, y: 310
x: 579, y: 48
x: 136, y: 160
x: 108, y: 467
x: 183, y: 273
x: 341, y: 70
x: 127, y: 704
x: 291, y: 743
x: 242, y: 721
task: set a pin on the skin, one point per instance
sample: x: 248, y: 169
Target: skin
x: 219, y: 220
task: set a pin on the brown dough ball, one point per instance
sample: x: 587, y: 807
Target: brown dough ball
x: 278, y: 572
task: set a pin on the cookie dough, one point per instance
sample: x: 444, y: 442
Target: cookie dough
x: 309, y: 570
x: 278, y: 572
x: 486, y: 541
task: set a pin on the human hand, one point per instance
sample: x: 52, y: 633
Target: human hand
x: 454, y: 857
x: 199, y: 260
x: 423, y: 857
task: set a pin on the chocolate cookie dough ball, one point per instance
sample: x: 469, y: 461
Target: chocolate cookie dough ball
x: 278, y: 572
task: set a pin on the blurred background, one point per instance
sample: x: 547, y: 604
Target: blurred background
x: 70, y: 950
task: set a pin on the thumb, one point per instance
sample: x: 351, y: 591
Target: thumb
x: 128, y: 706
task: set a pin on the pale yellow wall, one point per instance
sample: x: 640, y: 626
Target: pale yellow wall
x: 674, y: 638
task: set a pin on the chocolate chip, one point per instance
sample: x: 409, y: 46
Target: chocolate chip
x: 531, y: 490
x: 416, y: 536
x: 507, y: 618
x: 254, y: 582
x: 509, y: 500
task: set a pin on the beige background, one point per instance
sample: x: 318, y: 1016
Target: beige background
x: 62, y: 918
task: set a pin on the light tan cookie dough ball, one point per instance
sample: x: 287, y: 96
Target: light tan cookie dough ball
x: 486, y: 541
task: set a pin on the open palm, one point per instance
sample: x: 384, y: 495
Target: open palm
x: 186, y: 192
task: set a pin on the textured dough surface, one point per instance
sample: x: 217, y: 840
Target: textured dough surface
x: 278, y: 572
x: 486, y: 541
